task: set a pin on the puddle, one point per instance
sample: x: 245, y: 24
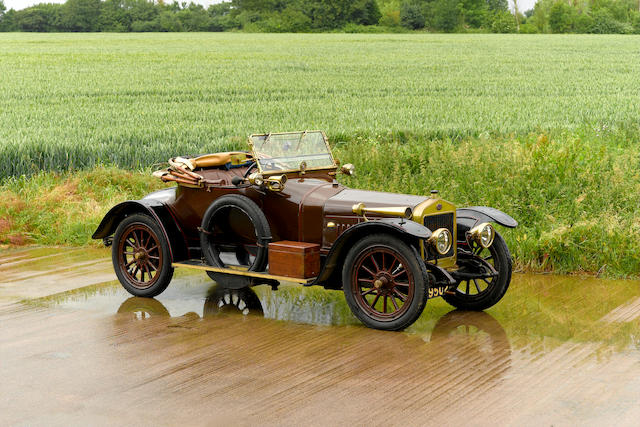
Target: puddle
x: 555, y: 350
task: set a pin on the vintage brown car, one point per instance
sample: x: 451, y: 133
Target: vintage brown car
x: 277, y: 213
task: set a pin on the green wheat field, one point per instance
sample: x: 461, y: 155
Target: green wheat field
x: 544, y: 127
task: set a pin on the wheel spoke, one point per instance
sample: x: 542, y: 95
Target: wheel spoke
x: 130, y: 262
x: 135, y: 272
x: 468, y: 283
x: 153, y: 257
x: 401, y: 284
x: 402, y: 271
x: 400, y: 296
x: 368, y: 292
x: 146, y: 267
x: 141, y: 275
x: 153, y: 248
x: 384, y: 304
x: 152, y: 265
x: 369, y: 271
x: 393, y: 264
x: 477, y: 287
x: 395, y: 304
x: 135, y: 237
x: 375, y: 300
x: 375, y: 264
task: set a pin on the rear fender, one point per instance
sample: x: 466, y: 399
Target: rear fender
x: 467, y: 218
x: 155, y: 209
x: 409, y: 231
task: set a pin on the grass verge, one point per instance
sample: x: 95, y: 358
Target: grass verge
x: 575, y: 194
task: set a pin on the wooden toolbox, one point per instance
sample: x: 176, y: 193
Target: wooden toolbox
x: 294, y: 259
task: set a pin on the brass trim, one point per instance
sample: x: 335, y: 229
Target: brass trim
x: 433, y: 240
x: 200, y: 266
x: 401, y: 211
x: 477, y: 230
x: 331, y: 224
x: 326, y: 142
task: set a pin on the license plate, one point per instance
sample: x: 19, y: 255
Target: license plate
x: 437, y: 292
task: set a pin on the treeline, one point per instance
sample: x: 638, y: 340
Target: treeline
x: 548, y: 16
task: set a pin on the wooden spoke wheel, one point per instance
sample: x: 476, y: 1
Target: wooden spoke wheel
x: 385, y: 282
x: 141, y: 256
x: 482, y: 293
x: 382, y: 283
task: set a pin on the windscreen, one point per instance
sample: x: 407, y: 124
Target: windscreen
x: 288, y: 151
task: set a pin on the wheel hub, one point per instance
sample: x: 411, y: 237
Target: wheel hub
x: 383, y: 283
x: 140, y: 255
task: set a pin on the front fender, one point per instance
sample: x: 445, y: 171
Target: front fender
x: 407, y: 230
x: 474, y: 215
x: 155, y: 209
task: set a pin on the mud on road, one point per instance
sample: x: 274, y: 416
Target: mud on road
x: 75, y: 348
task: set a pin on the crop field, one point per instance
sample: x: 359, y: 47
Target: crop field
x: 74, y: 100
x: 546, y: 128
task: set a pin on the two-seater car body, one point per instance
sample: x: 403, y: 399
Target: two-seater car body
x: 277, y: 213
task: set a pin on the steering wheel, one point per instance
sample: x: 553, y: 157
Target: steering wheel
x: 249, y: 169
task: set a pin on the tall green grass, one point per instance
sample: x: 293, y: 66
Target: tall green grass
x: 543, y: 127
x: 576, y: 195
x: 72, y: 101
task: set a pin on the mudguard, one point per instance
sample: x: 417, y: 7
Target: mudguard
x: 467, y: 218
x: 155, y: 209
x: 405, y: 229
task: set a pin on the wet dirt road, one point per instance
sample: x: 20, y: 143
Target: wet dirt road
x: 76, y: 348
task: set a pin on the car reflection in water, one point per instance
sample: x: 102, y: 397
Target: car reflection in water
x: 220, y: 300
x: 472, y: 341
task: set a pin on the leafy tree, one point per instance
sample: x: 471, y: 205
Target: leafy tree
x: 390, y: 14
x: 584, y: 23
x: 114, y: 17
x: 193, y: 18
x: 365, y: 12
x: 446, y: 15
x: 497, y: 5
x: 221, y: 17
x: 81, y: 15
x: 473, y: 13
x: 40, y: 18
x: 503, y: 22
x: 168, y: 21
x: 561, y: 17
x: 412, y: 16
x: 605, y: 23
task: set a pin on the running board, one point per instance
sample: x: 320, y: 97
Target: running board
x: 199, y: 265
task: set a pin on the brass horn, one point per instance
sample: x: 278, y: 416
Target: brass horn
x: 401, y: 211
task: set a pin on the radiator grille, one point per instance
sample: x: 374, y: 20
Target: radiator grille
x: 443, y: 220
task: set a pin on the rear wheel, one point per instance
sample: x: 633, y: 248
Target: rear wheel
x: 385, y: 282
x: 140, y: 255
x: 235, y: 233
x: 480, y: 294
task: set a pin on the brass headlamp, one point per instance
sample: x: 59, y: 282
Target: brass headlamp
x: 441, y: 240
x: 483, y: 234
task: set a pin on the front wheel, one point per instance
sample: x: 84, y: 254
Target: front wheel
x: 385, y: 282
x: 141, y: 257
x: 480, y: 294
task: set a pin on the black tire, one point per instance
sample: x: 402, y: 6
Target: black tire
x: 487, y: 292
x: 154, y: 258
x: 400, y: 273
x: 211, y: 223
